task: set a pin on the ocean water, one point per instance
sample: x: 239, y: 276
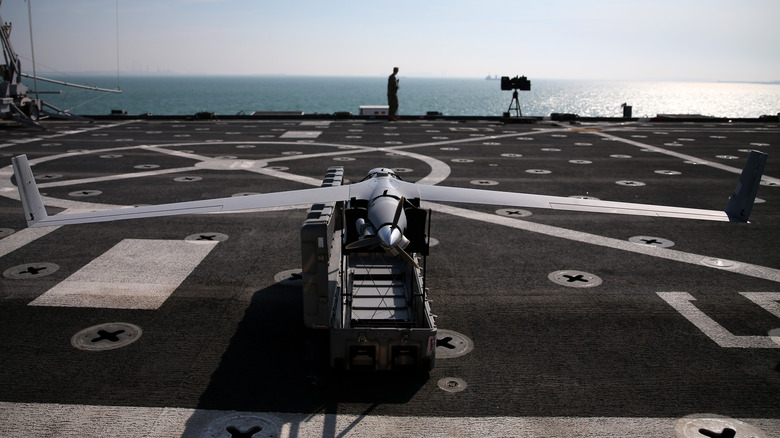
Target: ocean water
x: 229, y: 95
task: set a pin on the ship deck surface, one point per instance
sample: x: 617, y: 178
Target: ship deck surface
x: 658, y: 334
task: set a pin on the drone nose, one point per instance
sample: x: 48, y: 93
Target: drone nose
x: 389, y: 237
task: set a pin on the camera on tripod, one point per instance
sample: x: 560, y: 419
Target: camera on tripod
x: 515, y: 83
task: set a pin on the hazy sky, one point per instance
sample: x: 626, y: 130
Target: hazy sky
x: 735, y: 40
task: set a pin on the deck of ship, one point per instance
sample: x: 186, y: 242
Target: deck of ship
x: 580, y: 324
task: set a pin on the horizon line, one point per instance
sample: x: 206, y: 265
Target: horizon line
x: 105, y: 73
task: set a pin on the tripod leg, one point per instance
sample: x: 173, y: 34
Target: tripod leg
x: 516, y: 103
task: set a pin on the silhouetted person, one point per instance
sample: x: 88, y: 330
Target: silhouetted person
x: 392, y: 95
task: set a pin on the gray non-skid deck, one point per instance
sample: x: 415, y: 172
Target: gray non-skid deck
x: 657, y: 335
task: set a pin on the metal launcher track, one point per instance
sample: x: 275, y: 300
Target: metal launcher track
x: 374, y: 304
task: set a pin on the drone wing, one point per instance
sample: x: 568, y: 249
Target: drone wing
x: 738, y: 209
x: 36, y: 216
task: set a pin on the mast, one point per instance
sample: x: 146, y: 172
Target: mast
x: 14, y: 102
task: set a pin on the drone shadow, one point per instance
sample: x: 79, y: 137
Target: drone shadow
x: 275, y: 364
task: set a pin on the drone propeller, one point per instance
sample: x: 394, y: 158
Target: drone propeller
x: 362, y: 243
x: 390, y: 237
x: 398, y: 244
x: 408, y: 257
x: 398, y: 211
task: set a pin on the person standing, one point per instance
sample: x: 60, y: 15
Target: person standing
x: 392, y: 95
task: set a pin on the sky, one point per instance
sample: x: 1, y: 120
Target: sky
x: 698, y: 40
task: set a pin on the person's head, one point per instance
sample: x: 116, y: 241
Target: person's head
x: 395, y: 70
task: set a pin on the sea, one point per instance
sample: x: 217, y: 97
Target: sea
x: 231, y: 95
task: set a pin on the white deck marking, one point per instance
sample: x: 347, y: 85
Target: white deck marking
x: 84, y: 421
x: 682, y: 156
x: 593, y: 239
x: 315, y: 123
x: 134, y: 274
x: 682, y: 302
x: 301, y: 134
x: 769, y: 301
x: 20, y: 238
x: 115, y: 177
x: 439, y: 172
x: 66, y: 133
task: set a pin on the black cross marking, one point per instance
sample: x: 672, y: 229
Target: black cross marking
x: 445, y: 342
x: 514, y: 212
x: 726, y: 433
x: 649, y: 241
x: 32, y: 270
x: 108, y: 336
x: 236, y: 433
x: 206, y: 237
x: 573, y: 278
x: 483, y: 182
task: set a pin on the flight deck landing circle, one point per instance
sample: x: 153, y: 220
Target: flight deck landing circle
x: 30, y: 271
x: 577, y: 279
x: 85, y: 193
x: 108, y: 336
x: 439, y: 169
x: 244, y: 424
x: 513, y: 212
x: 451, y: 344
x: 657, y: 242
x: 693, y: 425
x: 207, y: 237
x: 290, y: 277
x: 452, y: 384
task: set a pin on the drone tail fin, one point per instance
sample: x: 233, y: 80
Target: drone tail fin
x: 32, y: 203
x: 741, y: 201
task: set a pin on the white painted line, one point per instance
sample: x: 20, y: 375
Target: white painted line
x: 134, y: 274
x: 115, y: 177
x: 769, y: 301
x: 353, y: 150
x: 301, y: 134
x: 687, y: 157
x: 22, y: 237
x: 475, y: 139
x: 66, y: 133
x: 664, y: 253
x: 86, y: 421
x: 316, y: 123
x: 682, y: 302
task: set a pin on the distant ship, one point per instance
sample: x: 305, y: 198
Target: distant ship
x: 492, y: 78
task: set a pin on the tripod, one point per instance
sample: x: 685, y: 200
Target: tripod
x: 516, y: 103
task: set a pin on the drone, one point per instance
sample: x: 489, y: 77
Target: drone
x: 387, y: 197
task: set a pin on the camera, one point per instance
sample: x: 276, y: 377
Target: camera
x: 515, y: 83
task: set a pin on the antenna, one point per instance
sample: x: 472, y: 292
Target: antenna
x: 117, y: 44
x: 32, y: 46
